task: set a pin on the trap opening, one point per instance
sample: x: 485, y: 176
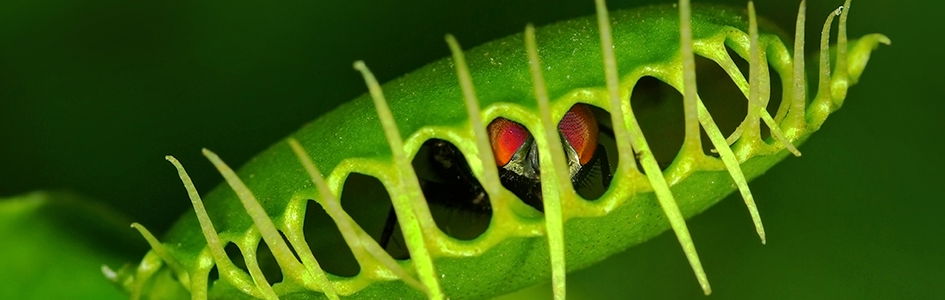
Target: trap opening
x: 721, y: 96
x: 367, y: 201
x: 658, y: 108
x: 236, y: 256
x: 458, y: 203
x: 326, y: 242
x: 213, y: 276
x: 267, y: 262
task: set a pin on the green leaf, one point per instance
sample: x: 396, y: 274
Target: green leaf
x: 55, y: 246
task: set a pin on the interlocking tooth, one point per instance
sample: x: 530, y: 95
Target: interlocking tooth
x: 358, y: 240
x: 860, y: 53
x: 490, y: 173
x: 760, y: 90
x: 291, y: 267
x: 693, y: 141
x: 297, y: 241
x: 799, y: 86
x: 225, y: 266
x: 756, y: 81
x: 408, y: 199
x: 725, y: 61
x: 711, y: 129
x: 199, y: 279
x: 161, y: 252
x: 822, y: 104
x: 778, y: 134
x: 248, y: 250
x: 734, y: 168
x: 626, y: 158
x: 728, y: 64
x: 634, y: 140
x: 554, y: 163
x: 660, y: 187
x: 841, y: 78
x: 718, y: 54
x: 150, y: 264
x: 823, y: 87
x: 759, y: 93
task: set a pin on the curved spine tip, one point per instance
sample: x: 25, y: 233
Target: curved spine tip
x: 841, y: 78
x: 799, y: 86
x: 822, y: 104
x: 359, y: 65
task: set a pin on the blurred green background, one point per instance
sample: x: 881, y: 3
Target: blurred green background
x: 94, y: 93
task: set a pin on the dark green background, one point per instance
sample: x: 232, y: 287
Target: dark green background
x: 94, y: 93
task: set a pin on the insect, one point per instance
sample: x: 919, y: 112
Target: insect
x: 451, y: 185
x: 514, y: 136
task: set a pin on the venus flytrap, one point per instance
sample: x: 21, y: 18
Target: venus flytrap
x: 533, y: 81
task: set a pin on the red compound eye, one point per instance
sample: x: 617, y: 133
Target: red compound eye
x: 506, y: 137
x: 579, y: 128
